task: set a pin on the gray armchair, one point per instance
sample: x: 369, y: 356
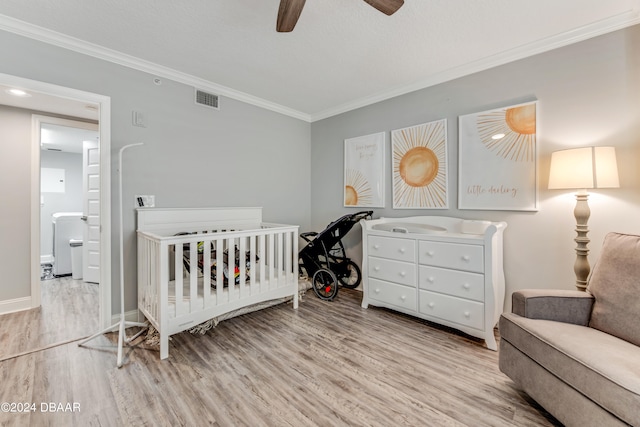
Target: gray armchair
x: 578, y: 353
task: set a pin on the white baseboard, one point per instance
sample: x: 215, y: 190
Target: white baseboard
x: 46, y: 259
x: 13, y: 305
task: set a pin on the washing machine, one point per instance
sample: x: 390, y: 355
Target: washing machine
x: 66, y: 226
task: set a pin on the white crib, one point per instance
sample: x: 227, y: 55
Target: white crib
x: 175, y: 298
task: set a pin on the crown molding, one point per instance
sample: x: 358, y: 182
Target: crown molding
x: 35, y: 32
x: 595, y: 29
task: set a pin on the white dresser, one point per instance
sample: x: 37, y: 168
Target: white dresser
x: 445, y: 270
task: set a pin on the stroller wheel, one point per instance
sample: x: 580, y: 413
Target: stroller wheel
x: 351, y: 276
x: 325, y: 284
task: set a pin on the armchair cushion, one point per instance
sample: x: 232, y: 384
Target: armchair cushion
x: 615, y: 284
x: 596, y: 364
x: 550, y: 304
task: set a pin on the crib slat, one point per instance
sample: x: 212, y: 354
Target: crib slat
x: 271, y: 251
x: 206, y: 271
x: 242, y: 265
x: 252, y: 262
x: 231, y: 264
x: 219, y: 268
x: 179, y: 279
x: 261, y: 262
x: 279, y: 263
x: 193, y: 277
x: 287, y: 256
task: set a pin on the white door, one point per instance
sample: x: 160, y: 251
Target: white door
x: 91, y: 211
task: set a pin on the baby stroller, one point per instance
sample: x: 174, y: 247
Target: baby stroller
x: 324, y: 258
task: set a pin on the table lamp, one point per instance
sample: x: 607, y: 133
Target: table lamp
x: 580, y: 169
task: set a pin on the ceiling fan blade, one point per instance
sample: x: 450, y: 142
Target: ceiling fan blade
x: 288, y: 15
x: 388, y: 7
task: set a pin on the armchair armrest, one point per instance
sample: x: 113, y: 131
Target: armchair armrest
x: 558, y: 305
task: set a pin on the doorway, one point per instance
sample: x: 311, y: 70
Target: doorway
x: 64, y: 195
x: 62, y: 96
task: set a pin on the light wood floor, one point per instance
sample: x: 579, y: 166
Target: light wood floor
x: 69, y: 310
x: 326, y: 364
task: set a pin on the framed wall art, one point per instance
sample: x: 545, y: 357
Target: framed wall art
x: 420, y: 166
x: 498, y: 159
x: 364, y: 171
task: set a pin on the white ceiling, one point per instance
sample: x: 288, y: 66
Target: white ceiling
x: 50, y: 104
x: 343, y: 54
x: 65, y: 138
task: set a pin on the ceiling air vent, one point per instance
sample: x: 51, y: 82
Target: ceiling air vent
x: 207, y: 99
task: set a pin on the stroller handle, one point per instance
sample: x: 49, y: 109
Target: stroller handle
x: 356, y: 217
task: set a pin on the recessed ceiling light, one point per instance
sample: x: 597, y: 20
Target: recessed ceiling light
x: 498, y: 136
x: 18, y: 92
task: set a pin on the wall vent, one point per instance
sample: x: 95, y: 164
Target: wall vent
x: 207, y: 99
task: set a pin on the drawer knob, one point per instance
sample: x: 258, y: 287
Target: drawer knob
x: 431, y: 279
x: 402, y: 250
x: 431, y: 304
x: 467, y: 314
x: 377, y: 291
x: 403, y: 297
x: 403, y: 274
x: 466, y: 258
x: 376, y: 246
x: 430, y: 253
x: 376, y: 268
x: 466, y: 286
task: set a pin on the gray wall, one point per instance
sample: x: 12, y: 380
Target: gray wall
x: 15, y: 175
x: 589, y: 94
x: 193, y: 156
x: 69, y: 201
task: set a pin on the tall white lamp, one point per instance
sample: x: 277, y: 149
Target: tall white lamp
x: 123, y: 324
x: 581, y: 169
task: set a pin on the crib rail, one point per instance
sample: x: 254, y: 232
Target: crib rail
x: 185, y: 280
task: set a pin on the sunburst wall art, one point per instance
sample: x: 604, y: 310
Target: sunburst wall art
x: 497, y: 154
x: 420, y: 166
x: 364, y: 171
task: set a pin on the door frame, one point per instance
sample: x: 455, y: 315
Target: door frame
x: 104, y: 130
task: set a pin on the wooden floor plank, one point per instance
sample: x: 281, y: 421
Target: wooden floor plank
x: 325, y: 364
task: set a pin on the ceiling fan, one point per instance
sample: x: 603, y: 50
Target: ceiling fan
x: 290, y: 10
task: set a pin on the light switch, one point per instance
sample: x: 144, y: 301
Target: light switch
x: 139, y: 119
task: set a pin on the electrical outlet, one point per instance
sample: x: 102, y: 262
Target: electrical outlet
x: 145, y: 201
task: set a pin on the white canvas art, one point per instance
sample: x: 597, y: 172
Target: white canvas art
x: 497, y: 159
x: 420, y: 166
x: 364, y: 171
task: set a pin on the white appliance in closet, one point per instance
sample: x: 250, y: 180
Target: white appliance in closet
x: 66, y: 226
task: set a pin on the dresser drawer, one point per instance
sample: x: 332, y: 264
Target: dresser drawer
x: 392, y: 271
x: 452, y: 255
x: 453, y: 309
x: 390, y: 293
x: 452, y: 282
x: 388, y: 247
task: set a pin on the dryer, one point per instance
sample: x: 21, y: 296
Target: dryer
x: 66, y: 226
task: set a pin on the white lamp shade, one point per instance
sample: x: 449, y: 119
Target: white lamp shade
x: 589, y: 167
